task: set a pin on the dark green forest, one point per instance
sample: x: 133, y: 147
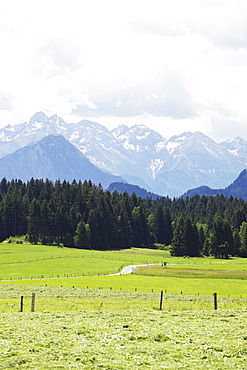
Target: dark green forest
x: 83, y: 215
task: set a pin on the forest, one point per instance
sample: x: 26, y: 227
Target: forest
x: 83, y: 215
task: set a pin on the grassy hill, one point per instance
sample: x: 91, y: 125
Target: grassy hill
x: 115, y: 322
x: 55, y: 266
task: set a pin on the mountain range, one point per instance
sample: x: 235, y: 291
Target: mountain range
x: 237, y: 189
x: 137, y: 155
x: 122, y: 187
x: 53, y: 157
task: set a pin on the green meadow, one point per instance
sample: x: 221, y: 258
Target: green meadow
x: 66, y: 299
x: 115, y: 322
x: 26, y: 261
x: 53, y: 266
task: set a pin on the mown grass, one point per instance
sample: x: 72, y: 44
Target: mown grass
x: 124, y: 340
x: 224, y: 287
x: 63, y: 299
x: 168, y: 271
x: 214, y: 264
x: 114, y: 322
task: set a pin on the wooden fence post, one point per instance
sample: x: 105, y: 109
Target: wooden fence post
x: 21, y: 309
x: 215, y: 301
x: 161, y: 299
x: 33, y: 302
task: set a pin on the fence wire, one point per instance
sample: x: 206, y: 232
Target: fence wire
x: 62, y: 299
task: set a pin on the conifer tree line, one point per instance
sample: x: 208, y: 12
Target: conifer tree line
x: 83, y: 215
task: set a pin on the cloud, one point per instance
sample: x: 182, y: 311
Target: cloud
x: 157, y: 28
x: 165, y: 95
x: 5, y: 101
x: 57, y: 56
x: 221, y: 22
x: 177, y: 64
x: 223, y: 128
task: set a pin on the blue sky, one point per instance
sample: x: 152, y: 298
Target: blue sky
x: 173, y: 66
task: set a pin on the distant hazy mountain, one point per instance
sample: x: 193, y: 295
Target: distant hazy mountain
x: 54, y: 158
x: 237, y: 189
x: 140, y: 155
x: 122, y: 187
x: 237, y: 147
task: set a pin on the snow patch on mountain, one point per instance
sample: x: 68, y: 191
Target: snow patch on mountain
x: 160, y: 145
x: 143, y: 136
x: 165, y: 166
x: 155, y: 166
x: 171, y: 146
x: 37, y: 125
x: 234, y: 152
x: 75, y: 136
x: 129, y: 146
x: 207, y: 147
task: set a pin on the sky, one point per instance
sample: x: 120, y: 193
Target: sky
x: 173, y: 66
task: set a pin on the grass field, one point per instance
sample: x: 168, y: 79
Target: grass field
x: 115, y: 322
x: 25, y: 261
x: 224, y: 287
x: 64, y: 299
x: 55, y: 266
x: 185, y: 272
x: 124, y: 340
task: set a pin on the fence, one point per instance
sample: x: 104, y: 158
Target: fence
x: 49, y: 299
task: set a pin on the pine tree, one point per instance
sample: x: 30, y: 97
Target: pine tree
x: 243, y: 239
x: 185, y: 240
x: 201, y: 236
x: 125, y: 234
x: 191, y: 238
x: 236, y: 243
x: 34, y: 222
x: 141, y: 233
x: 159, y: 225
x: 221, y: 239
x: 178, y: 240
x: 82, y: 236
x: 97, y: 237
x: 168, y: 227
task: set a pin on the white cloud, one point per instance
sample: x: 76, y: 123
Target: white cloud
x: 57, y: 56
x: 175, y: 66
x: 5, y: 101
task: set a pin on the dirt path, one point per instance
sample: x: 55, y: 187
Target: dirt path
x: 130, y: 269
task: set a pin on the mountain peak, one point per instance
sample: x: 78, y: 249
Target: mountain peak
x: 52, y: 157
x: 237, y: 139
x: 57, y: 121
x: 119, y: 130
x: 137, y: 137
x: 38, y: 117
x: 138, y: 153
x: 237, y: 147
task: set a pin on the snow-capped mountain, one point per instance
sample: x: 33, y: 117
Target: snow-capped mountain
x: 139, y: 154
x: 194, y: 158
x: 237, y: 147
x: 52, y: 157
